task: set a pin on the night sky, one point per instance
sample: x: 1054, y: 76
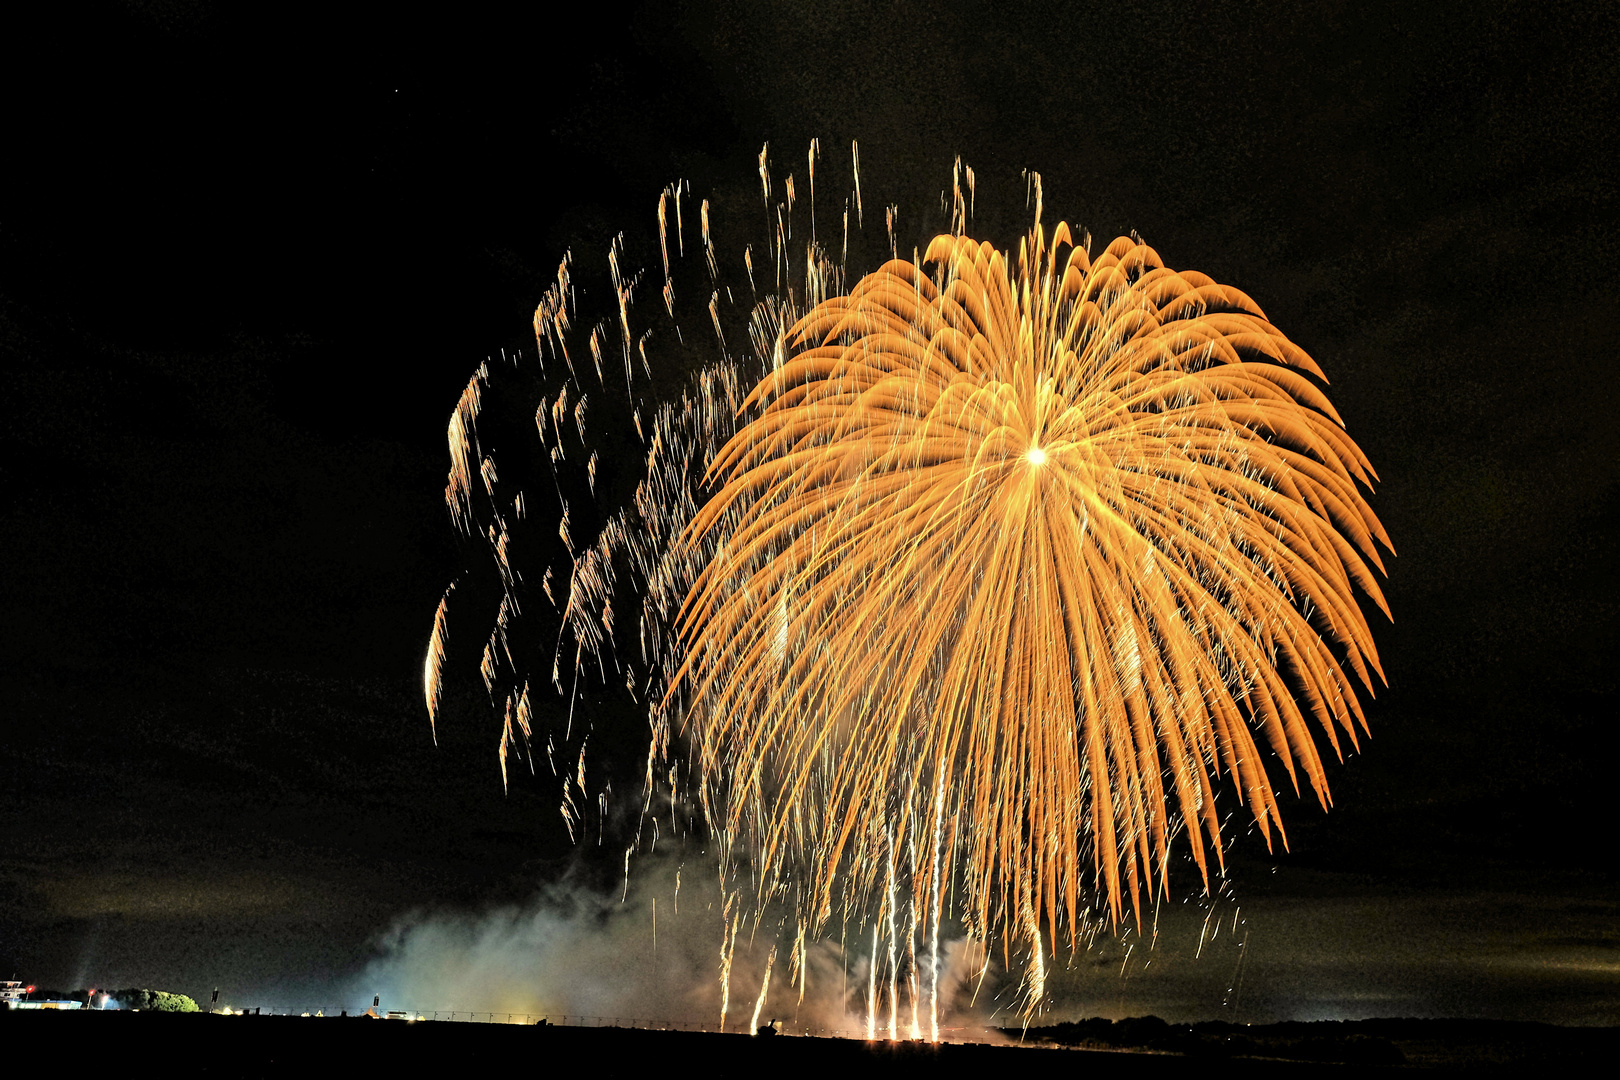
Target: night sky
x: 248, y: 260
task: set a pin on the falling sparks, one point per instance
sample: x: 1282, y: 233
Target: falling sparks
x: 433, y: 664
x: 458, y: 489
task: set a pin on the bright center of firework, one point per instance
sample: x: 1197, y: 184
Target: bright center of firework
x: 1036, y: 456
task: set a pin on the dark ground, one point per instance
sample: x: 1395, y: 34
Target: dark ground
x: 278, y: 1046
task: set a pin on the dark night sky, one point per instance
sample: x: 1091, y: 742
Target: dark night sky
x: 247, y: 261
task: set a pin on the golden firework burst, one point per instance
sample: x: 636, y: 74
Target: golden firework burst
x: 968, y: 608
x: 1012, y: 565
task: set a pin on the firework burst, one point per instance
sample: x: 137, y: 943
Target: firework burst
x: 1018, y: 558
x: 1001, y: 569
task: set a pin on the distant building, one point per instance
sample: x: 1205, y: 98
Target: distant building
x: 14, y: 995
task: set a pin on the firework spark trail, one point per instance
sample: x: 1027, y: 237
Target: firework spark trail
x: 890, y: 902
x: 463, y: 446
x: 433, y: 665
x: 764, y: 990
x: 934, y: 890
x: 913, y: 984
x: 728, y: 944
x: 1052, y: 538
x: 871, y: 988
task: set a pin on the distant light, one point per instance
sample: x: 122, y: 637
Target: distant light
x: 1036, y: 456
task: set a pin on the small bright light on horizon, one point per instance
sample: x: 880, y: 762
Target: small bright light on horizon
x: 1036, y: 456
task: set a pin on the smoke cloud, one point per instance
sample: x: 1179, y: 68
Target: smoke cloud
x: 652, y: 952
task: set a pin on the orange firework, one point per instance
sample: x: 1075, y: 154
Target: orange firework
x: 967, y: 608
x: 1011, y: 564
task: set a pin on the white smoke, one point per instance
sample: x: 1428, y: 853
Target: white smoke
x: 575, y: 952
